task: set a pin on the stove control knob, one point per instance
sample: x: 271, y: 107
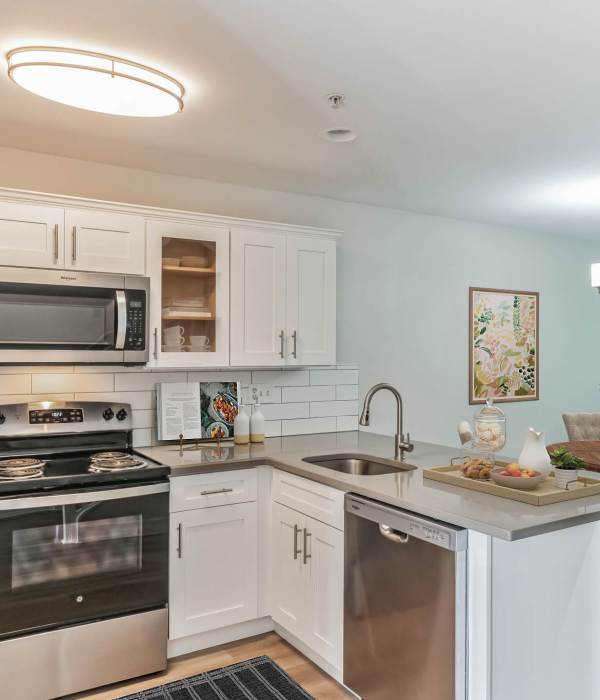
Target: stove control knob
x: 2, y: 418
x: 108, y: 414
x: 122, y: 414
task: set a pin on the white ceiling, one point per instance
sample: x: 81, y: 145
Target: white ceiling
x: 474, y: 109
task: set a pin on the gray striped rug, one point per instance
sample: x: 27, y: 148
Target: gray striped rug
x: 256, y: 679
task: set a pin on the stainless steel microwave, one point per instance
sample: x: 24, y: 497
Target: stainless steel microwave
x: 64, y: 316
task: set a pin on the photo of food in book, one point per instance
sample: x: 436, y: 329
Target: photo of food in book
x: 219, y: 407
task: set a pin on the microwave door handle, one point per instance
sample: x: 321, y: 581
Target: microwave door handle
x: 121, y: 319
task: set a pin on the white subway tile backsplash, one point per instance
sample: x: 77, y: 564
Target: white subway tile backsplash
x: 274, y: 411
x: 303, y: 426
x: 278, y: 377
x: 346, y: 392
x: 142, y: 437
x: 334, y: 376
x: 345, y: 423
x: 241, y: 376
x: 146, y: 380
x: 15, y: 384
x: 33, y: 398
x: 307, y: 393
x: 143, y: 418
x: 334, y: 408
x: 315, y: 400
x: 141, y: 400
x: 37, y: 369
x: 274, y: 397
x: 272, y: 428
x: 55, y: 383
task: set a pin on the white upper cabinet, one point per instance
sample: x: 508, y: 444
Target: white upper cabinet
x: 31, y: 235
x: 283, y: 299
x: 104, y: 241
x: 311, y: 299
x: 188, y: 265
x: 257, y: 298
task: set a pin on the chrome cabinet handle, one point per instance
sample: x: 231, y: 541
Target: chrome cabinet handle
x: 55, y: 243
x: 306, y: 555
x: 281, y: 341
x: 74, y: 244
x: 121, y: 301
x: 295, y: 347
x: 179, y: 542
x: 209, y: 493
x: 393, y: 535
x: 296, y: 550
x: 156, y: 343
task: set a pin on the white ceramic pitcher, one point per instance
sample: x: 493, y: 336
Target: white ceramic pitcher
x: 534, y: 454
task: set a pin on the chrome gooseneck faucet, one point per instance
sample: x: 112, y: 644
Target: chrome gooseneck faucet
x: 401, y: 445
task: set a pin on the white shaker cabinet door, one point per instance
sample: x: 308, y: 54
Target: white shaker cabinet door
x: 103, y: 241
x: 288, y: 575
x: 257, y: 298
x: 325, y: 590
x: 311, y: 300
x: 31, y: 235
x: 214, y: 568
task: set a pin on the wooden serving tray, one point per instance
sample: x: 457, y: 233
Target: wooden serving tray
x: 545, y: 494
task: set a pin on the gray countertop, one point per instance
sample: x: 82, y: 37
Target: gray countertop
x: 491, y: 515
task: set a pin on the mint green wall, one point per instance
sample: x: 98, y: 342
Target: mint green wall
x: 403, y: 316
x: 402, y: 289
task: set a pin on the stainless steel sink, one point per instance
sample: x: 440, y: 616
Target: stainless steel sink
x: 363, y: 465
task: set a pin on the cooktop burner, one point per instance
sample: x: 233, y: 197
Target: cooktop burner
x: 106, y: 462
x: 16, y: 468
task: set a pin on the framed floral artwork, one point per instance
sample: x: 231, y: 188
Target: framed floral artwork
x: 503, y: 345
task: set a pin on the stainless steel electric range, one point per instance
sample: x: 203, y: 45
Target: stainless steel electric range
x: 83, y: 550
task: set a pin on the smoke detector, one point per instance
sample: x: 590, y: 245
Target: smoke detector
x: 338, y: 134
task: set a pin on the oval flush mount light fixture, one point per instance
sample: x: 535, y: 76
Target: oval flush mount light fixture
x: 95, y: 81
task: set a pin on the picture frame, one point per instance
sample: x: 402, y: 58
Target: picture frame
x: 503, y: 345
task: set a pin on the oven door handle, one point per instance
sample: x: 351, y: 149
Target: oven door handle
x: 121, y: 319
x: 30, y: 502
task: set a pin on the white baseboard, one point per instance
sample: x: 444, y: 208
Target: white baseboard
x: 223, y: 635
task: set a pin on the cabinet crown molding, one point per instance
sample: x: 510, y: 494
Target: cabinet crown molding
x: 162, y: 214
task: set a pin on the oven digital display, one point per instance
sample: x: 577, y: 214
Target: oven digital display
x: 60, y: 415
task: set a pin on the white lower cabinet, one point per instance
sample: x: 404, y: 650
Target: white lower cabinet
x: 308, y: 581
x: 214, y: 568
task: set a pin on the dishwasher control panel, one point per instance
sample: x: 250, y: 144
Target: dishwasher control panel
x: 428, y: 532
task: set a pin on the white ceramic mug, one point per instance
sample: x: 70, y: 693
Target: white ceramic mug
x: 200, y: 343
x: 174, y: 335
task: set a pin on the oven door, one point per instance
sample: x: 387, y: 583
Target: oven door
x: 68, y: 558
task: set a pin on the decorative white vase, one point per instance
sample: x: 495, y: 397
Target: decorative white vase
x: 534, y: 454
x: 241, y: 427
x: 564, y: 477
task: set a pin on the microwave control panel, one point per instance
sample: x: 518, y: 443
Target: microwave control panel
x: 135, y: 338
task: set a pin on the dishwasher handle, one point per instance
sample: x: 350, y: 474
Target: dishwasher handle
x: 393, y: 535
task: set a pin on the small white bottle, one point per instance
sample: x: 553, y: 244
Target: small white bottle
x: 257, y: 425
x: 241, y: 427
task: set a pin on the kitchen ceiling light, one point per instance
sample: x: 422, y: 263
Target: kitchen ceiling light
x: 95, y: 81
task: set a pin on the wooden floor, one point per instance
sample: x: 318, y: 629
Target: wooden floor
x: 303, y: 671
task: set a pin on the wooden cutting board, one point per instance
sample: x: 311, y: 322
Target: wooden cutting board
x: 588, y: 450
x: 545, y: 494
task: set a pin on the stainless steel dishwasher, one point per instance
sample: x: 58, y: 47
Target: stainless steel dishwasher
x: 404, y: 604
